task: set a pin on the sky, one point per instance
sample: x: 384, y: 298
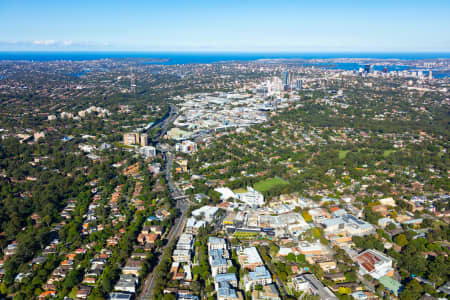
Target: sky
x: 226, y: 25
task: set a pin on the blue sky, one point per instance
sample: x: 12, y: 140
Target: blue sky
x: 226, y: 25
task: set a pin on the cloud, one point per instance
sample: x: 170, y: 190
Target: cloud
x: 44, y: 42
x: 52, y: 45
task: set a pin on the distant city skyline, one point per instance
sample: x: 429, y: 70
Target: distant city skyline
x: 234, y: 26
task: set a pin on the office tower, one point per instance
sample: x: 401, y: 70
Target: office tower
x: 299, y: 84
x: 285, y: 78
x: 130, y: 138
x: 143, y: 140
x: 368, y: 69
x: 430, y: 75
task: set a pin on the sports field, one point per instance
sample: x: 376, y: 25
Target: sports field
x: 265, y: 185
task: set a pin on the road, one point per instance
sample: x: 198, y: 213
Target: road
x: 181, y: 203
x: 164, y: 123
x: 271, y: 268
x: 279, y: 281
x: 174, y: 233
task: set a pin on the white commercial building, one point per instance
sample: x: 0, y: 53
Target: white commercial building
x: 249, y: 258
x: 205, y: 212
x: 349, y: 224
x: 252, y: 197
x: 226, y: 193
x: 186, y: 147
x: 260, y: 276
x: 309, y: 284
x: 216, y: 243
x: 374, y: 263
x: 148, y: 151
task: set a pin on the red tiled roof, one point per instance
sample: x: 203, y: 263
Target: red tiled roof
x: 368, y: 260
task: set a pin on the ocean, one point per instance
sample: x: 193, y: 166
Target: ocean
x: 207, y: 57
x: 175, y: 58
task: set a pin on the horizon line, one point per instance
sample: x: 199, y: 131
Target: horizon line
x: 224, y: 51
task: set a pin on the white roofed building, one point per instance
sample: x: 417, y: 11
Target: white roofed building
x: 205, y: 212
x: 374, y: 263
x: 148, y: 151
x: 186, y: 147
x: 249, y: 258
x: 253, y: 198
x: 225, y: 193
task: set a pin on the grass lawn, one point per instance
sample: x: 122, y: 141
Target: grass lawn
x: 240, y: 190
x: 117, y: 144
x: 386, y: 153
x: 342, y: 154
x: 265, y: 185
x: 73, y: 293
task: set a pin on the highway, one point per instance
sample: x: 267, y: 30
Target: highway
x: 164, y: 123
x: 174, y: 233
x: 181, y: 203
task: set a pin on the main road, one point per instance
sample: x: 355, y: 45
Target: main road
x: 181, y: 203
x: 164, y: 123
x: 174, y: 233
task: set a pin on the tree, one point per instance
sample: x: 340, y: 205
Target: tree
x: 107, y: 284
x: 391, y: 226
x: 47, y: 219
x: 169, y: 296
x: 413, y: 290
x: 380, y: 289
x: 368, y: 242
x: 311, y: 234
x: 300, y: 258
x: 72, y: 279
x: 195, y: 286
x: 372, y: 216
x: 401, y: 240
x: 306, y: 216
x: 291, y: 257
x: 273, y: 250
x: 3, y: 289
x: 344, y: 290
x: 351, y: 276
x: 317, y: 270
